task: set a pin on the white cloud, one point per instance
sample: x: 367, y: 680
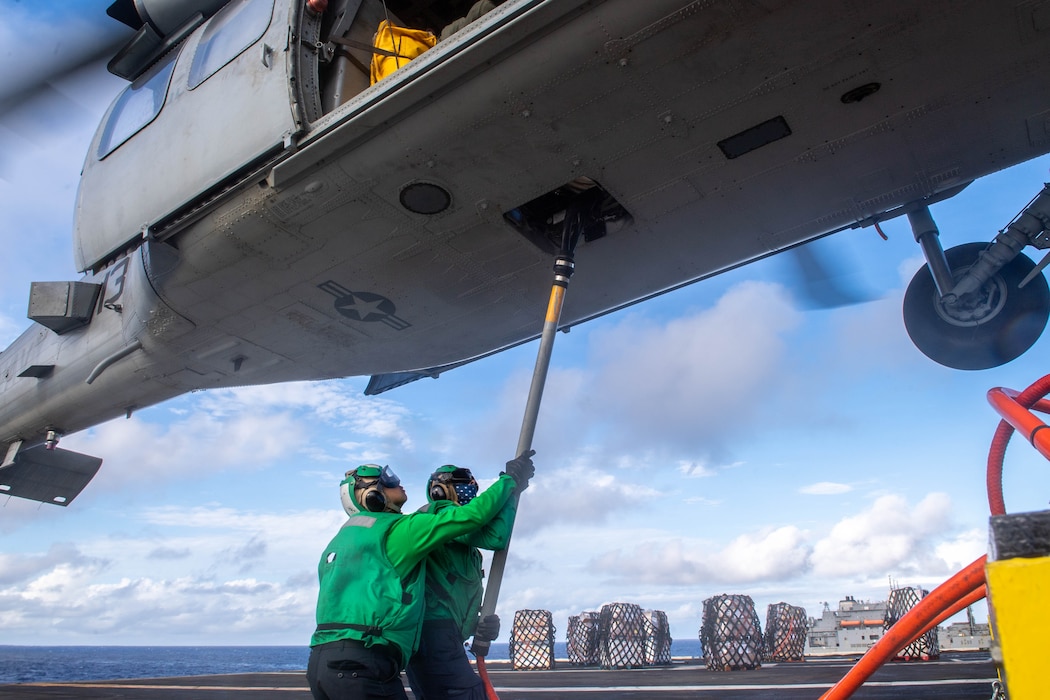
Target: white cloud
x: 17, y: 568
x: 702, y: 501
x: 694, y: 470
x: 693, y: 379
x: 674, y: 391
x: 963, y: 548
x: 889, y: 536
x: 768, y: 554
x: 243, y: 429
x: 224, y: 519
x: 142, y: 454
x: 169, y: 553
x: 578, y: 494
x: 336, y: 403
x: 825, y: 488
x: 913, y: 543
x: 100, y: 586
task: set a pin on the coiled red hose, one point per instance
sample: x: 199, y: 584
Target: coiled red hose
x: 1014, y: 408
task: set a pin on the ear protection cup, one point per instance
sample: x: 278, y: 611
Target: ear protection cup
x: 374, y: 500
x: 442, y: 491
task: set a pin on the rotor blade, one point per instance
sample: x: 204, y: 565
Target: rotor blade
x: 54, y: 47
x: 74, y: 101
x: 48, y: 43
x: 823, y: 279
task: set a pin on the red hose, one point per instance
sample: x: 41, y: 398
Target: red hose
x: 1014, y: 408
x: 914, y: 623
x: 490, y: 692
x: 979, y: 593
x: 994, y: 476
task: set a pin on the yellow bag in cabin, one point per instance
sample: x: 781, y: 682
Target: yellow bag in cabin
x: 400, y: 45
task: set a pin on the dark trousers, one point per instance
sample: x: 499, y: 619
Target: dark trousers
x: 440, y: 670
x: 346, y: 670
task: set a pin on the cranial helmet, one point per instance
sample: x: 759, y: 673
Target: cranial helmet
x: 369, y: 479
x: 452, y: 483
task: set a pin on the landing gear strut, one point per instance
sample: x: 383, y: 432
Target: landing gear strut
x: 979, y: 305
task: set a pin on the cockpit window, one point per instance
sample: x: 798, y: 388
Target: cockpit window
x: 231, y: 31
x: 137, y: 106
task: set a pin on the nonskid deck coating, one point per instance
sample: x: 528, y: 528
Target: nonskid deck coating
x: 959, y: 676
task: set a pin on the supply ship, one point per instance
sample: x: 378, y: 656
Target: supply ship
x: 856, y: 625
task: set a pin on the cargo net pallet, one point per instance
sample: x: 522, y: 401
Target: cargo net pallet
x: 927, y: 646
x: 786, y: 628
x: 582, y: 639
x: 730, y: 635
x: 532, y: 641
x: 621, y: 636
x: 657, y: 638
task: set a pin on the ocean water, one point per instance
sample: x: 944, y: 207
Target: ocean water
x: 28, y: 664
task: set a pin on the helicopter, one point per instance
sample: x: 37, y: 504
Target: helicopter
x: 258, y: 207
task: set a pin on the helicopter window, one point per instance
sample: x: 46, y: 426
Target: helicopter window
x: 231, y: 31
x: 137, y: 106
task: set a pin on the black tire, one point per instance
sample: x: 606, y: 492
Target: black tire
x: 1000, y: 327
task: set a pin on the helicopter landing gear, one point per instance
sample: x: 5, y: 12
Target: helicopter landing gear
x: 979, y: 305
x: 992, y: 325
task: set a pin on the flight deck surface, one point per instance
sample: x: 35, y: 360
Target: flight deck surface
x: 960, y: 676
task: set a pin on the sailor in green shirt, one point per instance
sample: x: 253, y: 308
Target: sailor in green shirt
x: 440, y: 670
x: 372, y: 577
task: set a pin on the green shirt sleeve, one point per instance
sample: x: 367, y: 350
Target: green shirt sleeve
x: 495, y: 534
x: 415, y: 535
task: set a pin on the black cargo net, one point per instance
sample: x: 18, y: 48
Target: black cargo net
x: 657, y: 638
x: 532, y: 640
x: 621, y: 636
x: 785, y: 638
x: 730, y: 635
x: 582, y: 639
x: 927, y: 646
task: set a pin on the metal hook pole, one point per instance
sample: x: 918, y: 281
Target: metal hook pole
x: 577, y: 217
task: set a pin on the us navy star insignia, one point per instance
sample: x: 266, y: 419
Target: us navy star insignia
x: 364, y: 306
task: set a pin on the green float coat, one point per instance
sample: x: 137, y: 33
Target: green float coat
x: 454, y: 576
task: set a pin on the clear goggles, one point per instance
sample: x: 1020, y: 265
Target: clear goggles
x: 383, y: 475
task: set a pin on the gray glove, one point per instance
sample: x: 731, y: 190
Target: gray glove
x: 521, y: 469
x: 488, y: 628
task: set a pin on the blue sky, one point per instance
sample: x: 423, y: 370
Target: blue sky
x: 719, y: 439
